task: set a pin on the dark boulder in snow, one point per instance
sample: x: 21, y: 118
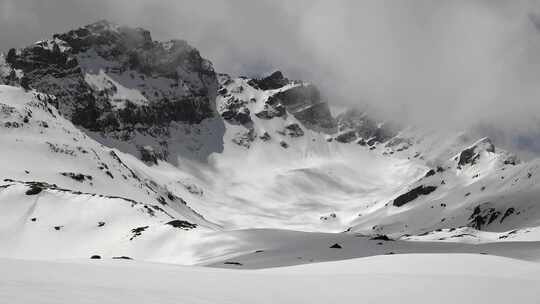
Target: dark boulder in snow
x: 34, y: 189
x: 381, y: 237
x: 182, y: 224
x: 413, y: 194
x: 336, y: 246
x: 233, y: 263
x: 123, y: 257
x: 430, y: 173
x: 77, y: 176
x: 95, y: 257
x: 137, y: 232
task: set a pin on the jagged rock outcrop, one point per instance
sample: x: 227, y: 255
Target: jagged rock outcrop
x: 305, y: 104
x: 356, y: 124
x: 413, y: 194
x: 275, y: 81
x: 107, y: 76
x: 471, y: 155
x: 234, y: 110
x: 347, y: 136
x: 294, y: 130
x: 117, y: 82
x: 271, y: 109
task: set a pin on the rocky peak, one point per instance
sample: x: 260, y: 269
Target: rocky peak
x: 471, y: 155
x: 105, y: 33
x: 116, y: 81
x: 275, y: 81
x: 108, y: 76
x: 479, y: 150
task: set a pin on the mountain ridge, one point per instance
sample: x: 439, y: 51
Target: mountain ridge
x: 117, y: 117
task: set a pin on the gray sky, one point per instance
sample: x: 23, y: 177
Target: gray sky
x: 439, y: 63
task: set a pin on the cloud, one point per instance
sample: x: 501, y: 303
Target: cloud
x: 449, y: 64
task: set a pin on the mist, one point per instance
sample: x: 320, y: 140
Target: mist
x: 451, y: 64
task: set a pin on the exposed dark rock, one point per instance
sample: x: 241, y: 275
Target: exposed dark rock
x: 430, y: 173
x: 34, y: 189
x: 507, y: 213
x: 265, y: 136
x: 511, y: 160
x: 484, y: 215
x: 336, y: 246
x: 123, y: 257
x: 346, y: 137
x: 381, y: 237
x: 222, y: 91
x: 328, y: 217
x: 283, y: 144
x: 244, y: 139
x: 372, y: 141
x: 367, y: 128
x: 413, y: 194
x: 95, y: 257
x: 137, y: 232
x: 305, y: 104
x: 471, y: 155
x: 149, y: 155
x: 182, y: 224
x: 234, y: 110
x: 175, y: 82
x: 233, y: 263
x: 77, y: 176
x: 275, y: 81
x: 294, y: 130
x: 271, y: 110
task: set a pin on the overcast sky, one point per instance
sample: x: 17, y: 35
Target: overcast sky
x: 440, y: 63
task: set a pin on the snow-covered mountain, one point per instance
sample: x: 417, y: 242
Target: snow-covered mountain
x: 115, y: 145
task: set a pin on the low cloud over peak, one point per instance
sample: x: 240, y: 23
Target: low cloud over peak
x: 451, y: 64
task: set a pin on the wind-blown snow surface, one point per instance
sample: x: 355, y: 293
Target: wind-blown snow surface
x: 397, y: 279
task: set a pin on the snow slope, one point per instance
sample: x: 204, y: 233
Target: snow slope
x: 99, y: 201
x: 396, y: 279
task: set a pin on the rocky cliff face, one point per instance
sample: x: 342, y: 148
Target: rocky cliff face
x: 357, y: 126
x: 161, y: 100
x: 117, y: 81
x: 112, y: 77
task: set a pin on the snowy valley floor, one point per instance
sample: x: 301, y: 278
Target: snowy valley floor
x: 420, y: 278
